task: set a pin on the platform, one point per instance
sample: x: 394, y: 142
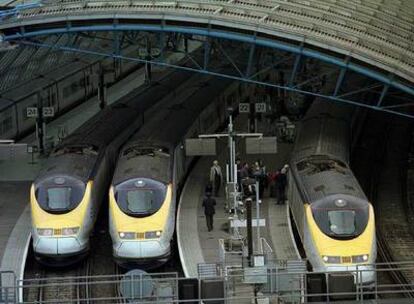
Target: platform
x: 198, y: 246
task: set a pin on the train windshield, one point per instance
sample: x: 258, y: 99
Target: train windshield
x: 59, y: 194
x: 342, y: 222
x: 59, y: 198
x: 340, y: 217
x: 140, y: 197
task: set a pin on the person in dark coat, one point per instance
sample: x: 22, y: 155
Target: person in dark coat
x: 216, y: 177
x: 209, y: 211
x: 239, y: 167
x: 281, y: 184
x: 208, y: 188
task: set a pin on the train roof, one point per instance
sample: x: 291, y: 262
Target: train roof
x: 173, y: 121
x: 77, y: 155
x: 320, y: 158
x: 98, y: 132
x: 77, y: 165
x: 147, y: 159
x: 165, y: 130
x: 92, y: 138
x: 325, y: 130
x: 329, y: 182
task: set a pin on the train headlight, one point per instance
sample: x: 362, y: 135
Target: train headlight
x: 45, y: 231
x: 70, y: 231
x: 153, y: 234
x: 331, y: 259
x: 360, y: 258
x: 127, y: 235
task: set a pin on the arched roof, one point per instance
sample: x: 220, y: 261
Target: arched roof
x: 373, y: 32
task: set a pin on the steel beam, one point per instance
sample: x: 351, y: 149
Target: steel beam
x: 295, y: 69
x: 116, y: 43
x: 360, y: 90
x: 383, y: 93
x: 219, y: 74
x: 223, y: 51
x: 341, y: 76
x: 250, y: 60
x: 313, y: 79
x: 241, y: 37
x: 267, y: 69
x: 206, y: 53
x: 162, y: 42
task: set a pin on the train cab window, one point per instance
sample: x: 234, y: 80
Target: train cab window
x: 141, y: 196
x: 140, y: 201
x: 342, y: 222
x: 59, y: 194
x: 58, y: 198
x: 339, y: 218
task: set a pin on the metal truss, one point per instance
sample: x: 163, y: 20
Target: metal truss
x: 356, y: 41
x: 249, y: 62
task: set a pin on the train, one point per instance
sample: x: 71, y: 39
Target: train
x: 66, y: 196
x: 69, y: 84
x: 152, y: 167
x: 333, y: 217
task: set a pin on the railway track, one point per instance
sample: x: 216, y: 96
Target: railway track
x: 59, y: 286
x: 382, y: 175
x: 395, y: 241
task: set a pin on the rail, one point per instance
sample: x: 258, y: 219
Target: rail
x: 401, y: 275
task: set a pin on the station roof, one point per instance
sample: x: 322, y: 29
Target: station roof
x: 378, y: 33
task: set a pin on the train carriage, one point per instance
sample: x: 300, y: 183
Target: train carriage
x: 152, y: 167
x: 334, y: 218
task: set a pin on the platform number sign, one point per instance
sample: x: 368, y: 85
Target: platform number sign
x: 48, y: 111
x: 260, y: 107
x: 244, y: 107
x: 31, y: 112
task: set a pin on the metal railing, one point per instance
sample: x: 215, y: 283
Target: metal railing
x: 7, y: 287
x: 286, y: 281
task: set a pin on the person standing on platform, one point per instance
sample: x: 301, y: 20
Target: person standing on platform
x: 216, y: 177
x: 259, y: 174
x: 239, y: 167
x: 208, y: 188
x: 281, y: 184
x: 209, y: 211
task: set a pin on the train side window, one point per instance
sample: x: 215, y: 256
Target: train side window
x: 6, y: 125
x: 67, y: 91
x: 52, y: 99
